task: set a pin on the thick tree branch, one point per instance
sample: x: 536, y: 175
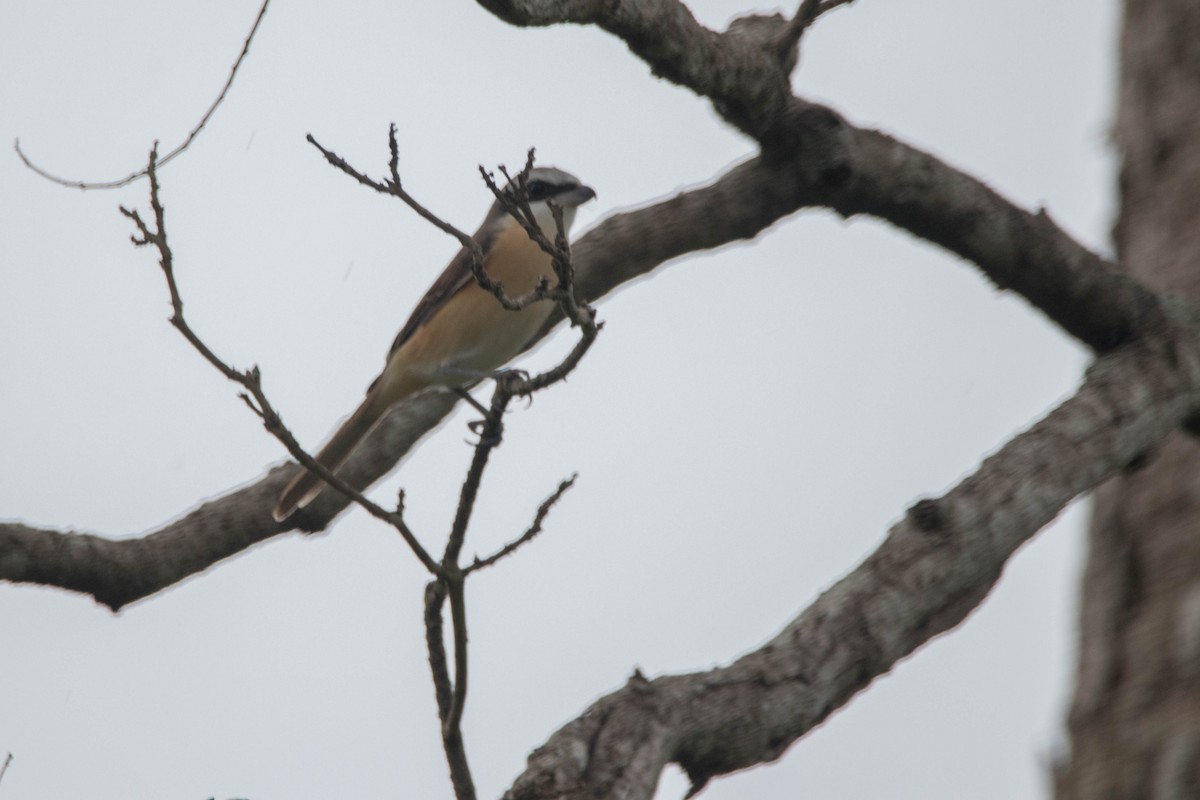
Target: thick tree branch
x: 117, y: 572
x: 854, y: 170
x: 831, y: 164
x: 934, y: 568
x: 864, y: 171
x: 250, y: 380
x: 1089, y: 297
x: 877, y: 174
x: 739, y: 70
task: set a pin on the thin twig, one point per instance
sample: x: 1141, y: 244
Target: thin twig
x: 450, y: 692
x: 393, y: 187
x: 511, y: 383
x: 76, y: 184
x: 490, y: 434
x: 805, y: 16
x: 517, y: 204
x: 534, y: 529
x: 4, y: 767
x: 452, y: 743
x: 435, y: 598
x: 830, y: 5
x: 508, y: 385
x: 580, y: 315
x: 452, y: 726
x: 452, y: 578
x: 250, y: 379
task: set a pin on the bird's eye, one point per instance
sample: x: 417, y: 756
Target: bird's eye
x: 538, y: 189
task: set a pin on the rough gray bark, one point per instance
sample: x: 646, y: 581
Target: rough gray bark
x: 848, y: 169
x: 1135, y: 721
x: 934, y: 568
x: 938, y: 563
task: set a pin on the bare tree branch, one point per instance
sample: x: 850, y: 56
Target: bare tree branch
x: 739, y: 70
x: 451, y: 583
x: 250, y: 379
x: 392, y: 186
x: 1089, y: 293
x: 534, y: 529
x: 865, y: 171
x: 450, y: 578
x: 130, y: 178
x: 854, y: 170
x: 934, y: 568
x: 452, y: 742
x: 802, y: 20
x: 1089, y: 297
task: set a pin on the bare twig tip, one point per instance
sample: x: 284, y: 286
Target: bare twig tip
x: 130, y: 178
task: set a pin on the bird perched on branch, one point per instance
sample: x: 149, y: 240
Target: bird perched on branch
x: 459, y: 331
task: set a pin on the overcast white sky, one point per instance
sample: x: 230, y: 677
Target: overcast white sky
x: 746, y: 428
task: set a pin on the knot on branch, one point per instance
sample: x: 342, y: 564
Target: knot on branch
x: 928, y: 516
x: 824, y: 141
x: 768, y: 33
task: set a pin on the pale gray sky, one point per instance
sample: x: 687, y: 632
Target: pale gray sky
x: 746, y: 428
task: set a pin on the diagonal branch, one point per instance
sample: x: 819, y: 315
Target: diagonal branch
x: 118, y: 571
x: 854, y: 170
x: 1087, y: 294
x: 802, y: 20
x: 533, y: 530
x: 934, y: 568
x: 393, y: 186
x: 451, y: 583
x: 250, y: 380
x: 739, y: 70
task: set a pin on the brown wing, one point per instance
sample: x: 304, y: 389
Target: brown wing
x: 454, y: 277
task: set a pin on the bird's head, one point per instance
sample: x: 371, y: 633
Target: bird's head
x: 546, y: 185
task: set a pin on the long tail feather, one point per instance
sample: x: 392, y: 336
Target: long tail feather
x: 306, y: 486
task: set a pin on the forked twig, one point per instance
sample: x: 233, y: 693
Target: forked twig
x: 533, y: 530
x: 449, y: 584
x: 250, y: 379
x: 392, y: 186
x: 805, y: 16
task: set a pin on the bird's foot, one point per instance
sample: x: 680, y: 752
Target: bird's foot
x: 490, y: 428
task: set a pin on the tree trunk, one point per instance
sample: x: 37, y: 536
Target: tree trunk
x: 1135, y: 720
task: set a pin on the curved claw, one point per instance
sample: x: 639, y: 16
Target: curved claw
x: 489, y: 431
x: 509, y: 377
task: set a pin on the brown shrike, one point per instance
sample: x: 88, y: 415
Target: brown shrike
x: 459, y: 332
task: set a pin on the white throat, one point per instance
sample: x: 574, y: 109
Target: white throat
x: 545, y: 219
